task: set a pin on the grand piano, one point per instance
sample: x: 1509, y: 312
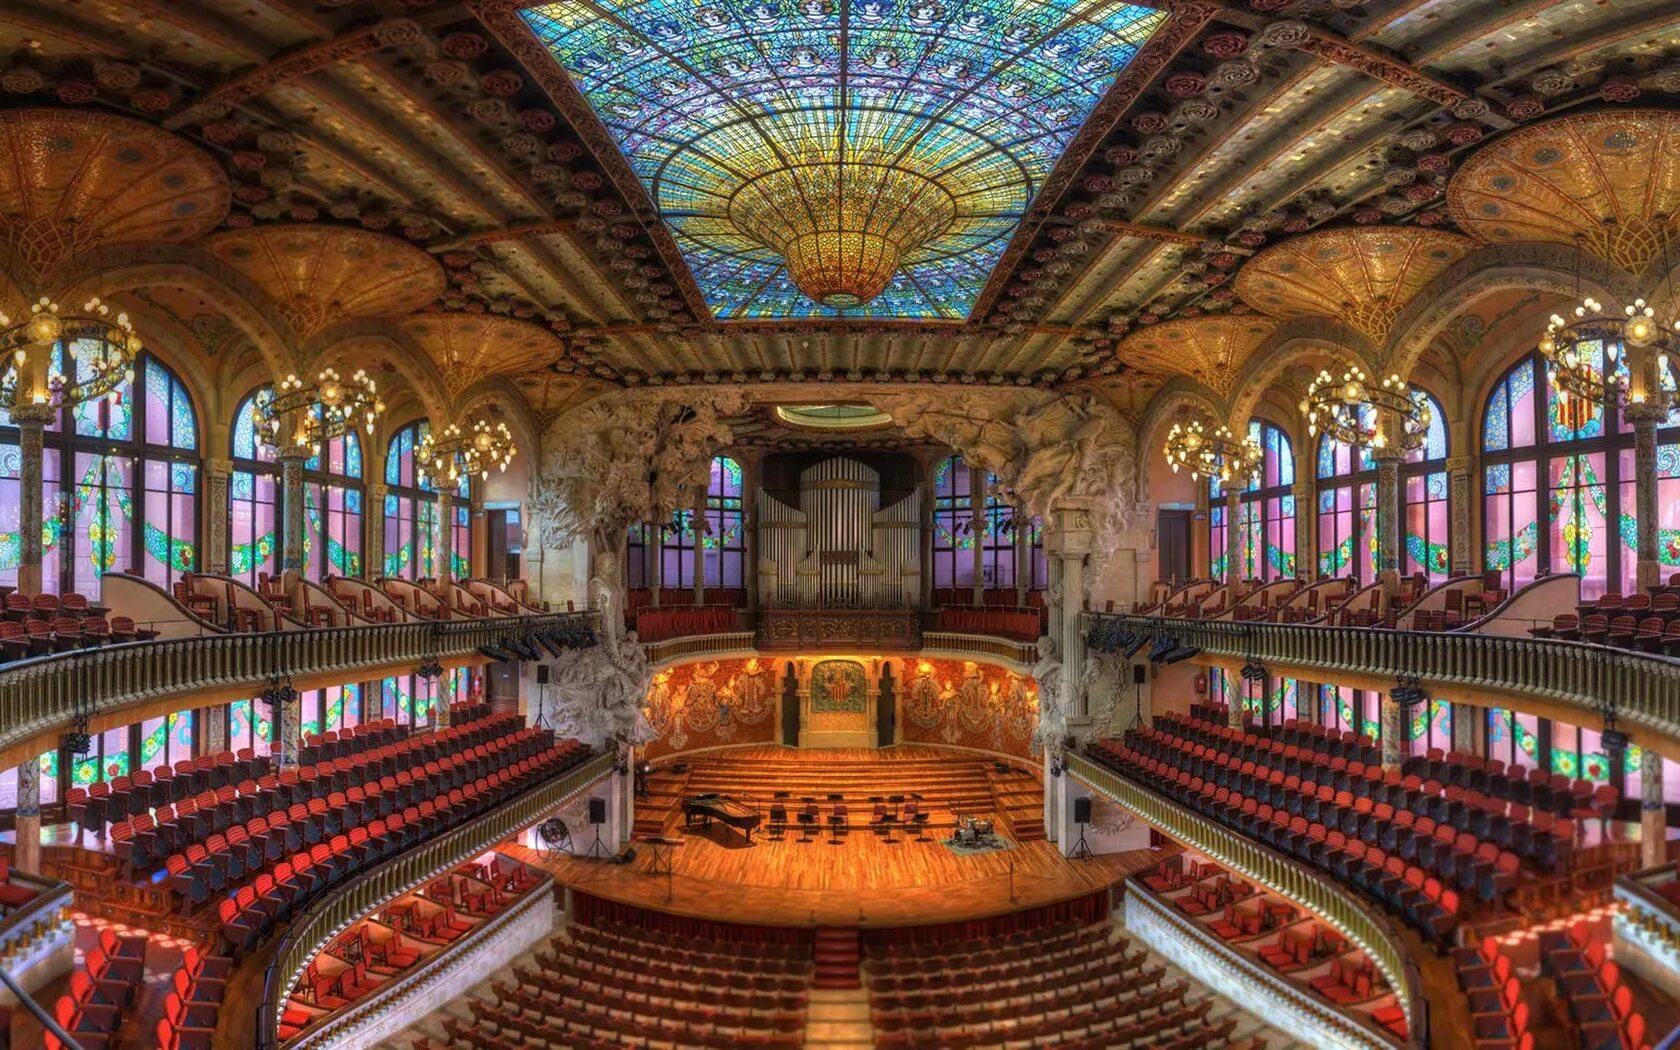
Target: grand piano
x: 715, y: 806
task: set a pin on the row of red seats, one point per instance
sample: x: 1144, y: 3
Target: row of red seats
x: 102, y: 990
x: 32, y: 637
x: 1010, y: 623
x: 1600, y: 1006
x: 654, y: 625
x: 1406, y: 889
x: 19, y: 606
x: 1654, y: 633
x: 253, y: 909
x: 194, y: 1001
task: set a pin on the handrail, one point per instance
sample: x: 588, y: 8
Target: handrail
x: 328, y: 917
x: 1634, y: 890
x: 28, y: 924
x: 1645, y: 689
x: 1353, y: 918
x: 44, y: 694
x: 1349, y: 1030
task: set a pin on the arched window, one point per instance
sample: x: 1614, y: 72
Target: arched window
x: 1558, y: 485
x: 1347, y: 509
x: 676, y: 553
x: 411, y: 514
x: 332, y: 509
x: 953, y: 530
x: 997, y: 548
x: 1424, y: 496
x: 132, y: 459
x: 725, y: 544
x: 1266, y: 516
x: 253, y: 497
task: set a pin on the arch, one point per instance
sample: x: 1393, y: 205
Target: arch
x: 1302, y: 339
x: 1533, y: 267
x: 500, y: 392
x: 349, y: 345
x: 127, y: 267
x: 1180, y: 393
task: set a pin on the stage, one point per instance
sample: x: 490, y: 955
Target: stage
x: 855, y: 879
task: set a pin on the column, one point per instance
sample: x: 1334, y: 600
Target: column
x: 700, y: 525
x: 656, y: 570
x: 444, y: 541
x: 31, y: 422
x: 1306, y: 699
x: 1460, y: 501
x: 1653, y: 814
x: 1645, y: 418
x: 26, y: 856
x: 1388, y: 516
x: 373, y: 540
x: 1233, y: 558
x: 213, y: 736
x: 1306, y: 528
x: 217, y: 474
x: 1234, y: 704
x: 1393, y: 734
x: 291, y: 498
x: 928, y: 501
x: 1465, y: 718
x: 1023, y: 555
x: 288, y: 724
x: 440, y: 703
x: 977, y: 522
x: 1070, y: 542
x: 478, y: 557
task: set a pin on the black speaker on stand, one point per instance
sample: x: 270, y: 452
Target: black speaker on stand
x: 1081, y: 816
x: 597, y: 817
x: 1140, y: 675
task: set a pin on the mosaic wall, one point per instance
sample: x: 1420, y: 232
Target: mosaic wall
x: 711, y: 703
x: 967, y: 704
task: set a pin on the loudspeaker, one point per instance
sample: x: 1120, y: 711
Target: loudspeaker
x: 598, y: 810
x: 542, y: 674
x: 1140, y: 674
x: 1082, y: 810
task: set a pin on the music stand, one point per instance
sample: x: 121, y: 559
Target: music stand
x: 887, y: 822
x: 662, y: 849
x: 807, y: 818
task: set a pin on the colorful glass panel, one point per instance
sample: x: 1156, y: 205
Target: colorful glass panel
x: 978, y: 96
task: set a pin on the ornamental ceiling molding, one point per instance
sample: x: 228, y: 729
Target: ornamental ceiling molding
x: 1210, y: 350
x: 1609, y: 179
x: 468, y: 348
x: 75, y: 181
x: 1362, y: 274
x: 502, y: 18
x: 322, y: 275
x: 1321, y: 43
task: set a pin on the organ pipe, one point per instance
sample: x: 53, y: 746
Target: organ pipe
x: 840, y: 549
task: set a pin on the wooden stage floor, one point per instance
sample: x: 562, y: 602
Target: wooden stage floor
x: 859, y: 879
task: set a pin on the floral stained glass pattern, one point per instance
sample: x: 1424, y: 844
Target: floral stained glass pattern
x: 973, y: 100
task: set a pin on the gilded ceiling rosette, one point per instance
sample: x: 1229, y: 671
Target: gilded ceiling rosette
x: 1362, y: 276
x: 321, y: 275
x: 75, y: 181
x: 468, y: 347
x: 1210, y: 350
x: 1609, y: 181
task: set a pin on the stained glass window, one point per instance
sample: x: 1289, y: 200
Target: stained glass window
x: 637, y: 550
x: 332, y: 509
x: 1266, y: 519
x: 1558, y: 484
x: 253, y: 498
x: 997, y: 550
x: 974, y: 99
x: 953, y: 524
x: 724, y: 547
x: 412, y: 528
x: 250, y: 724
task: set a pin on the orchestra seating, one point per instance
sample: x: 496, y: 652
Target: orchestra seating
x: 655, y: 625
x: 1413, y: 845
x: 617, y: 985
x: 1069, y: 986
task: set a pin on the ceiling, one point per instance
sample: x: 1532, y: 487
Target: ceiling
x: 487, y: 183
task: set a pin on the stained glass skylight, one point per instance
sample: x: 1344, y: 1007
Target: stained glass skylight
x: 977, y: 97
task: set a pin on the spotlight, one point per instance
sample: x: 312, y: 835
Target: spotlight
x: 523, y: 649
x: 495, y: 652
x: 78, y: 743
x: 1135, y: 644
x: 1163, y: 645
x: 1182, y: 652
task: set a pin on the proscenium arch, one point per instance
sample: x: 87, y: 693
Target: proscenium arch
x: 1313, y: 336
x: 1527, y: 267
x: 126, y: 268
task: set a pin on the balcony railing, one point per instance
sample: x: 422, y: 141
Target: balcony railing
x: 1645, y: 689
x: 25, y: 931
x: 43, y: 695
x: 315, y: 928
x: 1353, y: 918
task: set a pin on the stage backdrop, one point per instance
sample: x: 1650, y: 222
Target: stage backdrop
x: 713, y: 702
x: 967, y: 704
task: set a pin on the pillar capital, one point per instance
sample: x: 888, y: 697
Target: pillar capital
x: 33, y: 415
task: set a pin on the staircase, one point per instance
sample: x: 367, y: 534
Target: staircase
x: 1019, y: 801
x: 838, y: 1019
x: 837, y: 954
x: 665, y: 792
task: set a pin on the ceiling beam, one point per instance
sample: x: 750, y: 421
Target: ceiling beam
x: 509, y: 233
x: 1151, y: 233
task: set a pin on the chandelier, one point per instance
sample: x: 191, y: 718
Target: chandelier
x: 842, y: 225
x: 1218, y: 455
x: 99, y: 353
x: 452, y: 453
x: 1352, y: 410
x: 1596, y: 353
x: 319, y: 412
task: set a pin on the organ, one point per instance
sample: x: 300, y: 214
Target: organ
x: 840, y: 548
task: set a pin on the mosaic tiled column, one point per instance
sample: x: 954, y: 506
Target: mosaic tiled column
x: 291, y: 497
x: 287, y: 723
x: 215, y: 731
x: 1645, y: 419
x: 1306, y: 523
x: 1464, y: 719
x: 31, y: 421
x: 1233, y: 559
x: 1388, y: 516
x: 443, y: 540
x: 1460, y: 501
x: 218, y: 473
x: 373, y: 566
x: 1393, y: 735
x: 27, y: 856
x: 1653, y: 814
x: 1233, y: 704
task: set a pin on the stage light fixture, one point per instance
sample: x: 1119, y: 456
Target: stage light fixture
x: 1179, y: 653
x: 1135, y: 644
x: 1163, y: 645
x: 495, y: 652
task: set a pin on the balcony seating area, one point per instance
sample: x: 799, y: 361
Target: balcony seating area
x: 12, y: 897
x: 402, y: 935
x: 656, y: 625
x: 102, y: 992
x: 1648, y: 622
x: 1279, y: 936
x: 42, y: 624
x: 451, y: 777
x: 1024, y: 624
x: 617, y: 985
x: 1376, y: 833
x: 1597, y: 1005
x: 1069, y: 986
